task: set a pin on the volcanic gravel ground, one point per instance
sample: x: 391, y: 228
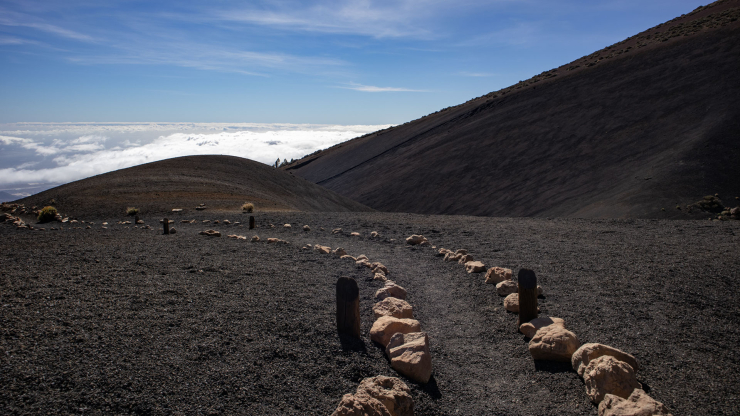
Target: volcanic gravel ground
x: 129, y: 321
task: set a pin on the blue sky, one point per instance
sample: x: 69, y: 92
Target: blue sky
x: 331, y: 62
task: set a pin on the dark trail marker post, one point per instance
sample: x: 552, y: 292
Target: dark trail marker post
x: 166, y: 226
x: 251, y: 222
x: 348, y: 307
x: 527, y: 296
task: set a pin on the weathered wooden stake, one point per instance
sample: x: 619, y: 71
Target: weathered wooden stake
x: 251, y: 222
x: 348, y: 307
x: 166, y: 225
x: 136, y: 219
x: 527, y: 296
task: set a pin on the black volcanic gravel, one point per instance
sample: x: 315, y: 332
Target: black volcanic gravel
x: 128, y: 321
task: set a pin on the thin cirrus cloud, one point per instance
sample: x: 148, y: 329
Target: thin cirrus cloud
x: 372, y: 88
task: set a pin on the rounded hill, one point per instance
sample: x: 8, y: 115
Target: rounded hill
x: 219, y: 182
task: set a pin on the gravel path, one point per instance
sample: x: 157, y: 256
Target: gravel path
x: 128, y: 321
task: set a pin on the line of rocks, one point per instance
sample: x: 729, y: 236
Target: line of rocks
x: 608, y: 373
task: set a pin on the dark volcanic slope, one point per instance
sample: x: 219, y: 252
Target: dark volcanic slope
x: 647, y: 123
x: 221, y: 182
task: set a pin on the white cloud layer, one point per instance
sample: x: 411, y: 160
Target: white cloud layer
x: 61, y: 153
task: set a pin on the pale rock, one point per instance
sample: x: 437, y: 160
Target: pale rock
x: 450, y: 256
x: 362, y: 256
x: 387, y: 326
x: 378, y: 266
x: 347, y: 256
x: 176, y: 209
x: 475, y: 267
x: 340, y: 252
x: 607, y: 375
x: 378, y: 396
x: 415, y: 239
x: 461, y: 252
x: 306, y: 228
x: 206, y: 221
x: 397, y: 308
x: 410, y: 356
x: 531, y: 327
x: 511, y: 303
x: 374, y: 234
x: 273, y: 240
x: 637, y: 404
x: 227, y: 222
x: 363, y: 262
x: 464, y: 259
x: 322, y: 249
x: 591, y: 351
x: 390, y: 289
x: 507, y: 287
x: 255, y: 238
x: 380, y: 276
x: 336, y: 231
x: 540, y: 292
x: 211, y: 233
x: 442, y: 252
x: 354, y: 234
x: 142, y: 222
x: 496, y: 275
x: 286, y: 225
x: 553, y: 343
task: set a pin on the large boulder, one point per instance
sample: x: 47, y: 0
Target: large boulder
x: 496, y: 275
x: 475, y: 267
x: 638, y: 404
x: 394, y: 307
x: 415, y: 240
x: 511, y: 303
x: 530, y: 328
x: 588, y: 352
x: 507, y: 287
x: 387, y: 326
x: 607, y: 375
x: 410, y: 356
x: 378, y: 396
x: 390, y: 290
x: 553, y: 343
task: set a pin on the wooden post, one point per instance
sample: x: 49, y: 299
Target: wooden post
x: 527, y: 296
x: 166, y: 225
x: 348, y: 307
x: 136, y: 219
x: 251, y: 222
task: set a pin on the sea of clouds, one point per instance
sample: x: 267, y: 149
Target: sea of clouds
x: 38, y: 156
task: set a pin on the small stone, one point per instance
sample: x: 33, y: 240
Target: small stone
x: 363, y: 262
x: 378, y: 396
x: 415, y: 240
x: 397, y: 308
x: 374, y: 234
x: 387, y: 326
x: 410, y: 356
x: 496, y: 275
x: 306, y: 228
x: 475, y: 267
x: 362, y: 256
x: 354, y: 234
x: 442, y: 252
x: 286, y: 225
x: 607, y: 375
x: 336, y: 231
x: 452, y: 257
x: 380, y: 276
x: 255, y: 238
x: 553, y: 343
x: 378, y: 266
x: 217, y: 222
x: 540, y: 292
x: 461, y: 251
x: 591, y: 351
x: 347, y: 256
x: 464, y: 259
x: 340, y: 252
x: 531, y: 327
x: 211, y: 233
x: 507, y: 287
x: 390, y: 289
x: 322, y: 249
x: 511, y: 303
x: 273, y: 240
x: 637, y: 404
x: 173, y: 230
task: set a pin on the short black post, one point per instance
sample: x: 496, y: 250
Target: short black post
x: 527, y: 296
x: 348, y: 307
x: 136, y: 219
x: 251, y: 222
x: 166, y: 225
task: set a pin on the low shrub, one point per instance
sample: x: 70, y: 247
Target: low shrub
x: 131, y: 211
x: 248, y: 207
x: 47, y: 213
